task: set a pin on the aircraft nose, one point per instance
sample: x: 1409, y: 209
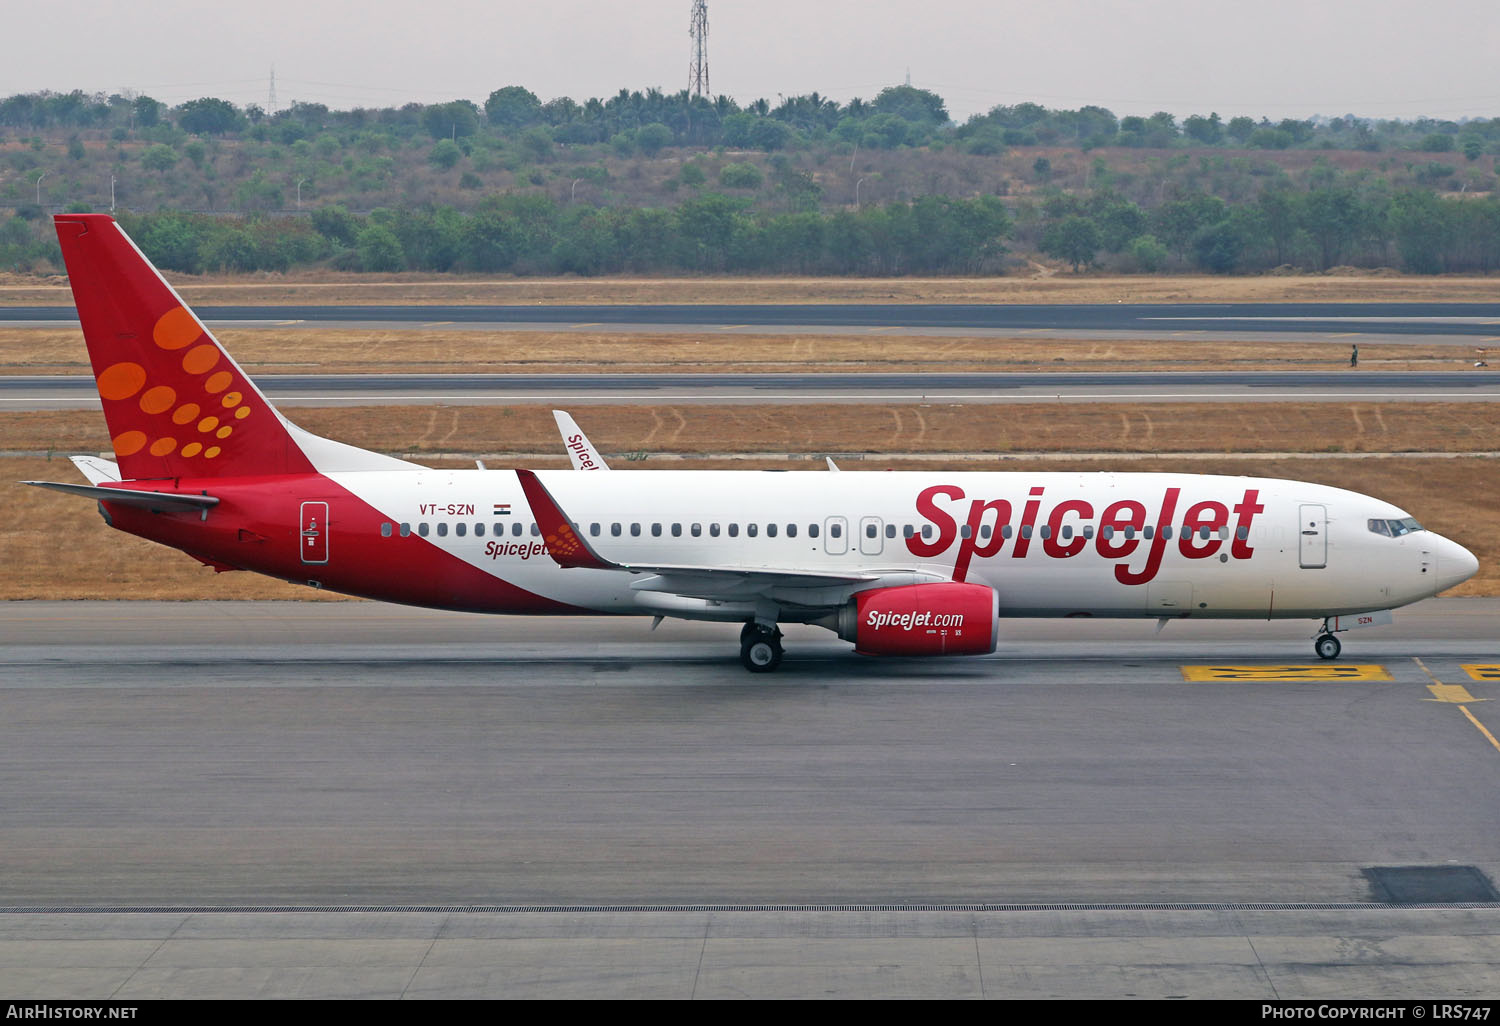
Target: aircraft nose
x: 1455, y: 564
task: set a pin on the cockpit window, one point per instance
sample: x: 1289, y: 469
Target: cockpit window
x: 1394, y: 528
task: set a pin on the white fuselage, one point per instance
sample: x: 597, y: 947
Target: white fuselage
x: 1050, y: 544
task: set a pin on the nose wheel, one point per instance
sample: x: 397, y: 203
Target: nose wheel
x: 1327, y: 646
x: 760, y: 648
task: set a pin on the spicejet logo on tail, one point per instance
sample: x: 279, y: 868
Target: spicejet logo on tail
x: 1120, y: 531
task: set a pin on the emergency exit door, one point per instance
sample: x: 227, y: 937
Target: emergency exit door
x: 314, y: 539
x: 1312, y: 537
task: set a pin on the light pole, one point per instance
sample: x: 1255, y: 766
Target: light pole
x: 111, y: 194
x: 573, y: 194
x: 299, y: 193
x: 856, y: 192
x: 39, y: 187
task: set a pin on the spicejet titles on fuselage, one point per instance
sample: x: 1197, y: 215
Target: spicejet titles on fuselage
x: 1121, y: 529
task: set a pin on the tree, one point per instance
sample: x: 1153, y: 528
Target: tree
x: 652, y: 139
x: 513, y: 108
x: 1074, y: 239
x: 456, y: 120
x: 912, y: 104
x: 159, y: 158
x: 378, y: 249
x: 445, y: 154
x: 210, y: 116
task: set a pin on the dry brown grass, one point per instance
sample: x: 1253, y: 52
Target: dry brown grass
x: 55, y: 546
x: 438, y: 350
x: 1044, y: 286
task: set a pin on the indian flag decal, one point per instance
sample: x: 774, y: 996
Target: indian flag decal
x: 502, y: 509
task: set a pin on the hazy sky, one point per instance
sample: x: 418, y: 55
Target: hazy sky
x: 1379, y: 58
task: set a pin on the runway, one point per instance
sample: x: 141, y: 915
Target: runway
x: 57, y: 391
x: 1466, y: 320
x: 482, y: 806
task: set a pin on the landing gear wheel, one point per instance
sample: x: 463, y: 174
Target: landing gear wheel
x: 1327, y: 646
x: 750, y: 630
x: 761, y: 652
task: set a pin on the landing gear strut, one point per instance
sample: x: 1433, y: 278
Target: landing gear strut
x: 760, y: 648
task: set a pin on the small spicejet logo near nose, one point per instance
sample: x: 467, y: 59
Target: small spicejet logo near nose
x: 1119, y: 534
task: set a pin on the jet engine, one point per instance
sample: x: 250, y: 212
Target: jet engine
x: 922, y: 619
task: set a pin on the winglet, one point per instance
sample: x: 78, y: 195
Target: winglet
x: 564, y: 544
x: 580, y: 450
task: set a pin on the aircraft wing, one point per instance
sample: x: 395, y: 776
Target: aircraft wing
x: 814, y: 588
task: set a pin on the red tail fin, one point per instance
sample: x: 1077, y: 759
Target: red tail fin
x: 175, y: 403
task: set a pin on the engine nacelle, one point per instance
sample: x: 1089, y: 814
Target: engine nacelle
x: 923, y: 619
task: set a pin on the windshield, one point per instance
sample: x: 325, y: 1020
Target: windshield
x: 1394, y: 528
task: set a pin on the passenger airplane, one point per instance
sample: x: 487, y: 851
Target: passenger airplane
x: 898, y: 563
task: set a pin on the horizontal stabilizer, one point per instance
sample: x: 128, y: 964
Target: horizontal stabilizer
x: 156, y: 502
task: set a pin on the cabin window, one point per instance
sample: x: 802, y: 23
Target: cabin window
x: 385, y: 530
x: 697, y: 530
x: 1130, y: 531
x: 406, y: 530
x: 656, y: 530
x: 1148, y: 532
x: 1067, y: 532
x: 635, y: 530
x: 908, y: 531
x: 835, y: 530
x: 1107, y: 531
x: 927, y: 531
x: 1166, y: 531
x: 676, y: 530
x: 1025, y: 530
x: 713, y: 530
x: 593, y: 530
x: 1205, y: 532
x: 734, y: 530
x: 1242, y: 532
x: 751, y: 530
x: 890, y: 531
x: 812, y: 530
x: 770, y: 530
x: 442, y: 529
x: 985, y: 530
x: 791, y: 530
x: 460, y: 529
x: 536, y: 530
x: 422, y: 529
x: 516, y: 529
x: 479, y: 530
x: 1088, y: 530
x: 614, y: 530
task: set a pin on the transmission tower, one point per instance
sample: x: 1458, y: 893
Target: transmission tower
x: 271, y: 99
x: 698, y: 70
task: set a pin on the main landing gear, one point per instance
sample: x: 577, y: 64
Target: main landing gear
x: 1326, y: 645
x: 760, y: 647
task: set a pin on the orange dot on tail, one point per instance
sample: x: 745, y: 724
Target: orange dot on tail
x: 192, y: 449
x: 210, y: 454
x: 218, y: 382
x: 208, y: 424
x: 129, y: 443
x: 162, y: 446
x: 176, y: 329
x: 121, y: 381
x: 224, y: 432
x: 242, y: 413
x: 185, y: 413
x: 230, y: 400
x: 158, y: 399
x: 200, y: 359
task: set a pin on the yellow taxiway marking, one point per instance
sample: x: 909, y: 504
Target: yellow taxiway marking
x: 282, y: 324
x: 1438, y: 688
x: 589, y: 324
x: 1481, y: 671
x: 1346, y: 334
x: 1303, y: 672
x: 436, y: 324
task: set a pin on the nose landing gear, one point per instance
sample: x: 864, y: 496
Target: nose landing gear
x: 1327, y: 646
